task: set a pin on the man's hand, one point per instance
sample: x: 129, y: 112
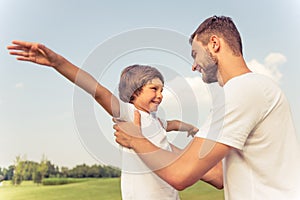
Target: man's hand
x: 126, y: 132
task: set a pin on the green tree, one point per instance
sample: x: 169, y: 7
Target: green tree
x: 80, y: 171
x: 1, y: 174
x: 29, y: 168
x: 37, y: 177
x: 64, y: 172
x: 1, y: 178
x: 51, y: 170
x: 41, y: 171
x: 93, y: 171
x: 8, y: 173
x: 18, y: 171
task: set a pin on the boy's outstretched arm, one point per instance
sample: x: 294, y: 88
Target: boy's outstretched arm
x: 40, y: 54
x: 177, y: 125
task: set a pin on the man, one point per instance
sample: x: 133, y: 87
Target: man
x: 251, y: 131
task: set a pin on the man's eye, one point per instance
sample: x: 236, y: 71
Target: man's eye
x: 193, y: 55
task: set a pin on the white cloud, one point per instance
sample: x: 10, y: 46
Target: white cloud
x: 19, y: 85
x: 270, y: 67
x: 275, y: 59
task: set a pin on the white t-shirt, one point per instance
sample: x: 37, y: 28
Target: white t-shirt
x: 253, y: 116
x: 138, y: 182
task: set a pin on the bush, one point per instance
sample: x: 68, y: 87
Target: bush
x: 61, y: 181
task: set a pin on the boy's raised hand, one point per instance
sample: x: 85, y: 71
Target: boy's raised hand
x: 34, y: 52
x: 192, y: 132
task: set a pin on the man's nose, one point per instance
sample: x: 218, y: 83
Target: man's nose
x: 194, y: 67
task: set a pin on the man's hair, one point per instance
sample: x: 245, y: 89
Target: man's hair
x: 222, y: 27
x: 133, y: 78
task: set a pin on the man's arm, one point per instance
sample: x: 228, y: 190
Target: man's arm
x: 199, y: 161
x: 176, y: 149
x: 215, y: 176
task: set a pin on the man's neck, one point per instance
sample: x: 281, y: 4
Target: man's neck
x: 232, y: 67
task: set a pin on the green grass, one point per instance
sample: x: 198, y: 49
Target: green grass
x: 62, y: 181
x: 92, y: 189
x: 203, y: 191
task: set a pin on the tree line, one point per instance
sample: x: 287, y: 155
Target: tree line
x: 33, y: 171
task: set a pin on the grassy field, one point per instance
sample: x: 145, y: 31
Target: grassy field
x: 92, y: 189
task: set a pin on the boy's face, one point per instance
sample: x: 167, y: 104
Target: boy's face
x: 150, y: 97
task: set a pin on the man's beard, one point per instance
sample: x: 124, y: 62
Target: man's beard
x: 209, y: 74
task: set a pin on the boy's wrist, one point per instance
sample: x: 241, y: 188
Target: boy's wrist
x: 60, y: 61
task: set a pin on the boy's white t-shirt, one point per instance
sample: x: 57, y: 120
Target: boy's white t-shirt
x: 253, y: 116
x: 137, y: 180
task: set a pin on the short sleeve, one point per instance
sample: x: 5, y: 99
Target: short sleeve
x: 236, y: 114
x: 126, y: 111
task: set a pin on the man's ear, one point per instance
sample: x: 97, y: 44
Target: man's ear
x: 214, y: 43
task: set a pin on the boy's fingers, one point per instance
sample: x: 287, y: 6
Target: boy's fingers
x: 44, y: 49
x: 17, y: 42
x: 22, y: 43
x: 17, y: 47
x: 18, y: 53
x: 24, y: 59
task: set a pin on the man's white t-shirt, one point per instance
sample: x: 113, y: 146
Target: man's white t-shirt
x: 137, y: 180
x: 253, y: 116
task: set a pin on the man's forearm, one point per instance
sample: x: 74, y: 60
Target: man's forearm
x: 154, y: 157
x: 180, y: 170
x: 215, y: 176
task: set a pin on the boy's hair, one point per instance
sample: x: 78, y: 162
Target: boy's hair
x: 133, y: 78
x: 223, y: 27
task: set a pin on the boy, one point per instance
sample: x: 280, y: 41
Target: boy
x: 140, y: 88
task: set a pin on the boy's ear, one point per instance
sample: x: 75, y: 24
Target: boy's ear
x: 133, y: 97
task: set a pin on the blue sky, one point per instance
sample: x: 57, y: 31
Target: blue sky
x: 37, y: 104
